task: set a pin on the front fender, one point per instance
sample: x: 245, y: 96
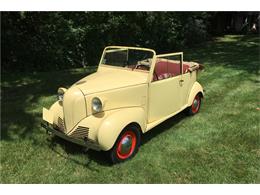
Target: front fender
x: 196, y: 88
x: 113, y: 124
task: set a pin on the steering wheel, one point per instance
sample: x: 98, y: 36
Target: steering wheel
x: 142, y: 67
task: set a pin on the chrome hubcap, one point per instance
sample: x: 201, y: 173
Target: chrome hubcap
x: 195, y: 103
x: 126, y: 145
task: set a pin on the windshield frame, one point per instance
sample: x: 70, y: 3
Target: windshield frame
x: 125, y: 48
x: 149, y: 74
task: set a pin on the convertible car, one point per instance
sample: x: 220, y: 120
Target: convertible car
x: 132, y: 91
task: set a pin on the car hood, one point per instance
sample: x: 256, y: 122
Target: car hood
x: 107, y: 78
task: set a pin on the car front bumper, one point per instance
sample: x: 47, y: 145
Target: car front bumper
x: 82, y: 142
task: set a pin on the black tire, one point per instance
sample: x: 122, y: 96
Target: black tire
x: 131, y: 134
x: 195, y: 107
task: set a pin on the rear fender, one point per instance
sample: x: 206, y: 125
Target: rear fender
x: 196, y: 88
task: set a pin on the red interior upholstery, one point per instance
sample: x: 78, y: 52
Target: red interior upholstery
x: 164, y: 69
x: 185, y: 68
x: 160, y: 70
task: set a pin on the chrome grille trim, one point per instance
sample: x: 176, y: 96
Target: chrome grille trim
x: 60, y: 124
x: 80, y: 133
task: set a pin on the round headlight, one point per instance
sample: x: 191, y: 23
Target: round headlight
x: 61, y: 92
x: 96, y: 104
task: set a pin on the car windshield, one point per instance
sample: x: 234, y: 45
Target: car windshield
x: 129, y: 58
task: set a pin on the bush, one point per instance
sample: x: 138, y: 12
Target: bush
x: 195, y: 31
x: 43, y: 41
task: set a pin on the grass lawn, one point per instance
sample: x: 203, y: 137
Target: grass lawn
x: 219, y: 145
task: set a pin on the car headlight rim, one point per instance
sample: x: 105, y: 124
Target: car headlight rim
x: 61, y: 92
x: 60, y: 97
x: 96, y: 104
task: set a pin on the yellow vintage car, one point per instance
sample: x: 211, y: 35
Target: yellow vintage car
x: 132, y: 91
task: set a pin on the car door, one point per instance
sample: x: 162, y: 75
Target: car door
x: 165, y: 88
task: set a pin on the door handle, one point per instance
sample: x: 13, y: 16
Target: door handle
x: 181, y: 82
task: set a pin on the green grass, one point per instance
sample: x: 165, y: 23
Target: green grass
x: 219, y: 145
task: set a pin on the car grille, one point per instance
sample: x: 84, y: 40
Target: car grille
x: 74, y: 108
x: 80, y: 133
x: 61, y: 124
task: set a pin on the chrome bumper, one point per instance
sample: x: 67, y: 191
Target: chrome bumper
x: 83, y: 142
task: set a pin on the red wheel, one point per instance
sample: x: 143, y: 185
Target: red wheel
x: 194, y: 108
x: 195, y: 104
x: 126, y: 145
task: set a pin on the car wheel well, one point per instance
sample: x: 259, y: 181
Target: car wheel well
x: 136, y: 125
x: 200, y: 94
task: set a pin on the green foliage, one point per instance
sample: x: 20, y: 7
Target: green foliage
x: 218, y: 145
x: 195, y: 31
x: 36, y: 41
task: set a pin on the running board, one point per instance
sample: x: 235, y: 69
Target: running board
x: 155, y: 123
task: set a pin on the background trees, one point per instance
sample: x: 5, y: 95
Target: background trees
x: 43, y: 41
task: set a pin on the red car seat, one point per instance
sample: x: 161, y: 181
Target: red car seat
x: 164, y: 69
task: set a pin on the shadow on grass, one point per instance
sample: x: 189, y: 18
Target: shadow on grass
x: 235, y: 51
x: 100, y: 157
x: 72, y: 149
x: 20, y: 97
x: 163, y: 127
